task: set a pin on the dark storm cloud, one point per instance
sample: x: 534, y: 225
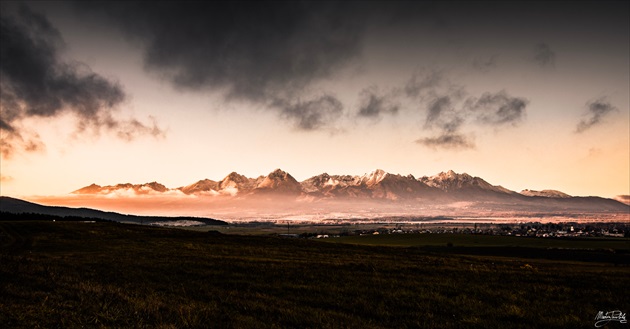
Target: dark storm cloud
x: 447, y: 141
x: 5, y: 126
x: 253, y: 51
x: 320, y: 112
x: 544, y: 56
x: 271, y: 53
x: 34, y: 82
x: 597, y: 110
x: 498, y: 108
x: 428, y: 13
x: 373, y: 105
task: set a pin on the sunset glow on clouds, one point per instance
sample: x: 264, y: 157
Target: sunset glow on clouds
x: 525, y: 95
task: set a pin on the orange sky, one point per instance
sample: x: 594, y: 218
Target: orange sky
x: 563, y: 72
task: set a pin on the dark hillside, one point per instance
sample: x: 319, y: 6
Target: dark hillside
x: 16, y: 206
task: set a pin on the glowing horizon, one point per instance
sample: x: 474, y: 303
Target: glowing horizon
x: 524, y: 96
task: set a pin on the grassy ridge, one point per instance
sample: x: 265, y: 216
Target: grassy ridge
x: 115, y: 275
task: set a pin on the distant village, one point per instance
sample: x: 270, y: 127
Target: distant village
x: 538, y: 230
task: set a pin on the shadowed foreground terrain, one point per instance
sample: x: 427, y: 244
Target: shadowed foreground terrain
x: 104, y: 274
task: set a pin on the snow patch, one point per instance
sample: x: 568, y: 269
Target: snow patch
x: 374, y: 177
x: 331, y: 182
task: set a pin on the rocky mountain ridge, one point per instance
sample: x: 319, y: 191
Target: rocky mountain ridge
x: 372, y: 191
x: 377, y: 184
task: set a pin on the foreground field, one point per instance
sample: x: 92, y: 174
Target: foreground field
x: 73, y: 274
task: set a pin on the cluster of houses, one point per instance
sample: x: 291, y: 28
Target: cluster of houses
x: 570, y: 230
x: 539, y: 230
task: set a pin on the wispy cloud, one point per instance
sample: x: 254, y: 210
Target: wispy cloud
x: 131, y: 129
x: 597, y: 110
x: 497, y: 108
x: 442, y: 115
x: 437, y: 110
x: 486, y: 64
x: 421, y: 85
x: 544, y: 56
x: 317, y: 113
x: 447, y: 141
x: 449, y: 112
x: 448, y: 121
x: 373, y: 104
x: 438, y: 99
x: 37, y: 83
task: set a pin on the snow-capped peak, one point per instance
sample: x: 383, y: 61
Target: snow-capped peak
x: 374, y: 177
x: 131, y: 189
x: 451, y: 181
x: 233, y: 180
x: 451, y: 175
x: 279, y: 180
x: 278, y: 174
x: 204, y: 185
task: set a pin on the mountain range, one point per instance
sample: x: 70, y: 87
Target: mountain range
x: 378, y: 185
